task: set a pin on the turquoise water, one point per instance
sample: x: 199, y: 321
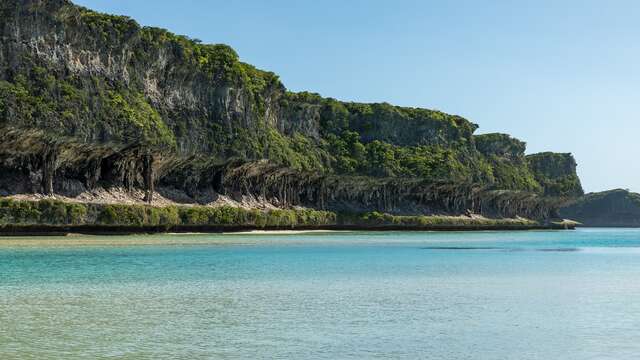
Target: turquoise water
x: 399, y: 295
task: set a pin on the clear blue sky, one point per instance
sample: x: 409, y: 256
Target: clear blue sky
x: 561, y: 75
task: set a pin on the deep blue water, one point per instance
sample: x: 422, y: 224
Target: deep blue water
x: 400, y: 295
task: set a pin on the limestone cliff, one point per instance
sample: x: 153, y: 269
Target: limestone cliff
x: 89, y: 100
x: 556, y: 173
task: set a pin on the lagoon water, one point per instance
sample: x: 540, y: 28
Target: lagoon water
x: 351, y: 295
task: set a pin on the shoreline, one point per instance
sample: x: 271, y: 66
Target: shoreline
x: 56, y: 218
x: 52, y: 230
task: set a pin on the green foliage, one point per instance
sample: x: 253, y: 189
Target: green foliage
x: 136, y: 215
x: 51, y: 212
x: 433, y: 162
x: 297, y: 151
x: 334, y: 117
x: 385, y: 141
x: 109, y: 28
x: 133, y: 112
x: 556, y: 173
x: 510, y: 176
x: 505, y: 155
x: 12, y: 212
x: 378, y: 158
x: 218, y: 61
x: 77, y: 214
x: 384, y: 122
x: 62, y: 106
x: 231, y: 216
x: 29, y: 101
x: 208, y: 216
x: 48, y: 212
x: 258, y: 81
x: 501, y: 145
x: 382, y: 219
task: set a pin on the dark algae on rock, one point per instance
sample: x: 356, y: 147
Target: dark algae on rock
x: 92, y: 101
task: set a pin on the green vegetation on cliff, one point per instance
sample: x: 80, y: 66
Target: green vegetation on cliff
x: 381, y: 219
x: 556, y: 173
x: 69, y: 107
x: 506, y: 157
x: 613, y: 208
x: 93, y: 100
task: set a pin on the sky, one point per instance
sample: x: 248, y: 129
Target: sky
x: 562, y: 76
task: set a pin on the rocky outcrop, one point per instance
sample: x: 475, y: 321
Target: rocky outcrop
x: 556, y: 173
x: 500, y: 145
x: 613, y: 208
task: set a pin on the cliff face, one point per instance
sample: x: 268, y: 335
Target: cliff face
x: 507, y: 158
x: 101, y: 79
x: 90, y: 100
x: 287, y: 187
x: 556, y: 173
x: 123, y: 84
x: 614, y: 208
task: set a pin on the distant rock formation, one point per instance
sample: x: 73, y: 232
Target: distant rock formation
x: 614, y: 208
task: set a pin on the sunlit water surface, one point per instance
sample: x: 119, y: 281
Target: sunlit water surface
x: 398, y: 295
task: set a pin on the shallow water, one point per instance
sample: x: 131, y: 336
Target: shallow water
x: 400, y: 295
